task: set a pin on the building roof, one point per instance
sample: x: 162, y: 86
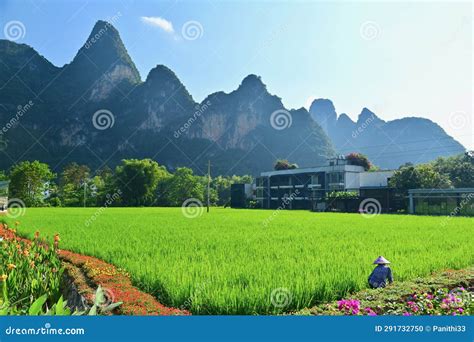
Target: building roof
x: 441, y: 191
x: 340, y: 167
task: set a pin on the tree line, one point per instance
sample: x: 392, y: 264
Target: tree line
x: 134, y: 182
x: 444, y: 172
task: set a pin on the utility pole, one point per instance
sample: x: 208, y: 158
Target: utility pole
x: 85, y: 184
x: 208, y: 184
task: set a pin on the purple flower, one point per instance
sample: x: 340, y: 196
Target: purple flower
x: 370, y: 312
x: 349, y: 306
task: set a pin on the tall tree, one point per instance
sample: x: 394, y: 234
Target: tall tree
x: 138, y: 180
x: 30, y: 182
x: 105, y: 187
x: 184, y: 185
x: 75, y: 185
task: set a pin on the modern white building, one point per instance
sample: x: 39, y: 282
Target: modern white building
x: 307, y: 187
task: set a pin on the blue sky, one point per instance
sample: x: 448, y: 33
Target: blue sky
x: 397, y: 59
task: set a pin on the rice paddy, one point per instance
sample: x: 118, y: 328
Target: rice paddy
x: 241, y: 262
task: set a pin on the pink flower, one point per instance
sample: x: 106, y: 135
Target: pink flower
x: 406, y: 314
x: 349, y: 306
x: 370, y: 312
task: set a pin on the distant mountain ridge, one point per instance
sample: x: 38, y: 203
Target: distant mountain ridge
x: 388, y: 144
x: 97, y: 111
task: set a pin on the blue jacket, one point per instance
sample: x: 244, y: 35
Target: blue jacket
x: 379, y: 276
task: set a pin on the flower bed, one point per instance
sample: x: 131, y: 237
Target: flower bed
x: 444, y: 293
x: 87, y: 273
x: 28, y: 271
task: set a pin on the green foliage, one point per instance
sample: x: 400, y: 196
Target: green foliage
x: 442, y: 293
x: 3, y: 176
x: 138, y: 180
x: 73, y: 183
x: 182, y: 186
x: 30, y: 276
x: 341, y: 195
x: 104, y: 184
x: 422, y: 176
x: 459, y: 169
x: 213, y: 195
x: 229, y: 264
x: 100, y: 306
x: 29, y: 182
x: 40, y: 308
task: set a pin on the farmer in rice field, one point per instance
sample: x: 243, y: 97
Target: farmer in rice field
x: 381, y: 274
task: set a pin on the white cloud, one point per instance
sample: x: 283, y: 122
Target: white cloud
x: 163, y: 24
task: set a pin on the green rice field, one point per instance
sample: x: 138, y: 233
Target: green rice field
x: 230, y: 262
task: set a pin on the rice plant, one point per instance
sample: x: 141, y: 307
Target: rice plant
x: 230, y: 262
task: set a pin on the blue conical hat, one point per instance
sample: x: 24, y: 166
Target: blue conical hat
x: 381, y: 261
